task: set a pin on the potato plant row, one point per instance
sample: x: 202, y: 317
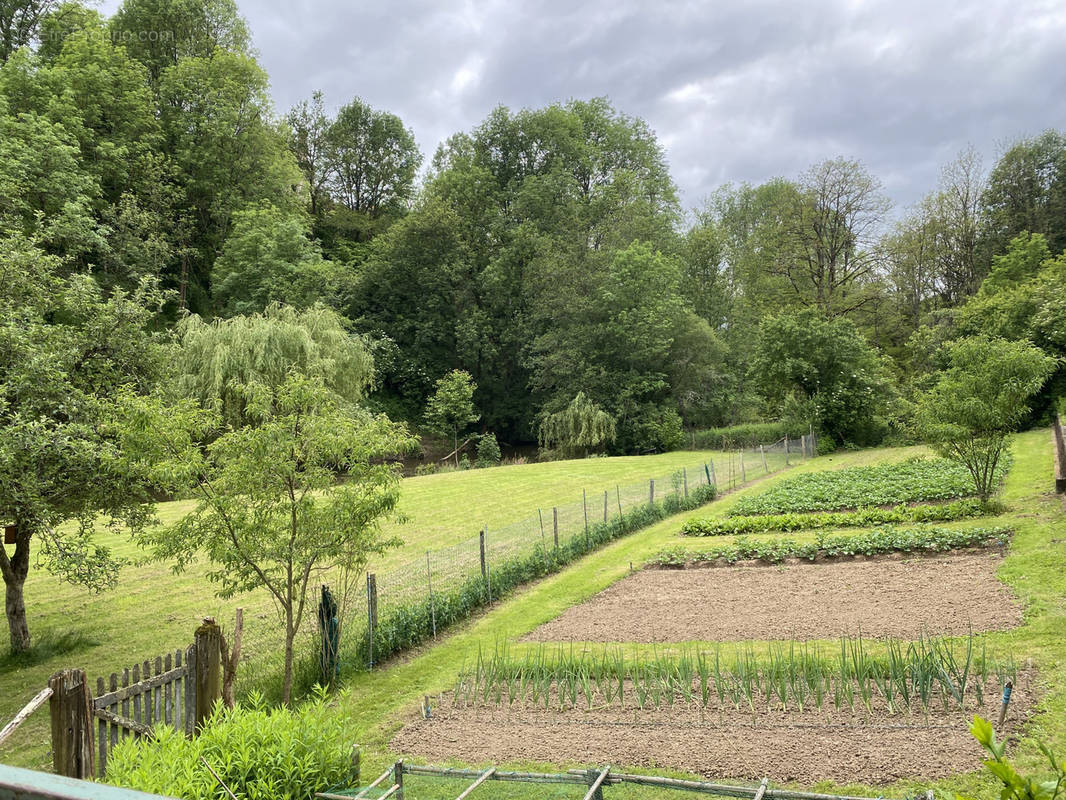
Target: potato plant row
x: 918, y: 480
x: 862, y: 518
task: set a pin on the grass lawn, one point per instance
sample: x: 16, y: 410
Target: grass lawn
x: 1035, y: 568
x: 153, y: 610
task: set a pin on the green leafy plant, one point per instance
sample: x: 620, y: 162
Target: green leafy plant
x: 774, y: 550
x: 916, y: 480
x: 260, y: 753
x: 861, y: 518
x: 1015, y: 785
x: 488, y: 451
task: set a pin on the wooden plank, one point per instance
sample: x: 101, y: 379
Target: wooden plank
x: 114, y: 730
x: 481, y: 779
x: 594, y: 790
x: 125, y: 702
x: 101, y: 729
x: 149, y: 710
x: 157, y: 692
x: 499, y: 775
x: 395, y: 788
x: 39, y: 700
x: 136, y: 698
x: 762, y: 788
x: 71, y: 724
x: 362, y: 794
x: 168, y: 693
x: 122, y: 722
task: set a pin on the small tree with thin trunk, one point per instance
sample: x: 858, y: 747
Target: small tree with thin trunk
x: 979, y: 400
x: 451, y: 408
x: 271, y: 513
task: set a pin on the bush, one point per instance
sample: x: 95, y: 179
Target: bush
x: 488, y: 451
x: 651, y: 429
x: 259, y: 753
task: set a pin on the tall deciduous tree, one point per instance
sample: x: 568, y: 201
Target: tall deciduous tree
x: 20, y: 21
x: 65, y: 351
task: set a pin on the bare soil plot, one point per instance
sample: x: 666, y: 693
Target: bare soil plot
x: 886, y: 596
x: 873, y: 748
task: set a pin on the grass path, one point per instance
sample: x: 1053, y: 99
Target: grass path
x: 153, y: 610
x: 1035, y: 568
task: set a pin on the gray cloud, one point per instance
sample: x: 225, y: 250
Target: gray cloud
x: 740, y: 91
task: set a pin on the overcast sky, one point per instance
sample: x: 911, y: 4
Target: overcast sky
x: 735, y: 91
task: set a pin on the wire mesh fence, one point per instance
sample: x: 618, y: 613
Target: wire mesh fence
x: 418, y: 591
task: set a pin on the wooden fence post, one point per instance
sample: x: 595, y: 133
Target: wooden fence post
x: 72, y: 724
x: 605, y: 505
x: 397, y: 778
x: 684, y: 477
x: 371, y: 612
x: 651, y: 492
x: 743, y: 472
x: 585, y: 508
x: 208, y: 669
x: 762, y: 452
x: 555, y: 525
x: 594, y: 779
x: 484, y: 566
x: 786, y: 451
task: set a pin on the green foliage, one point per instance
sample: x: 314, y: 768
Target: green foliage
x: 746, y: 435
x: 258, y: 752
x: 915, y: 480
x: 827, y: 361
x: 1015, y: 785
x: 579, y: 428
x: 785, y: 676
x: 774, y: 550
x: 270, y: 512
x: 219, y: 359
x: 979, y: 401
x: 488, y: 450
x: 269, y: 258
x: 66, y: 351
x: 862, y: 518
x: 451, y: 408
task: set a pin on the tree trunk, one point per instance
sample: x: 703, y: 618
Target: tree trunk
x: 14, y: 570
x: 290, y: 634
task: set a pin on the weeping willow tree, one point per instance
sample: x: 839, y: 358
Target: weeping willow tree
x: 578, y: 429
x: 219, y: 360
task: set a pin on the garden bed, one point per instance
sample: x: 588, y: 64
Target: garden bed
x: 831, y: 744
x: 895, y: 595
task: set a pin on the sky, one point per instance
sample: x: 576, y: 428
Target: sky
x: 735, y: 91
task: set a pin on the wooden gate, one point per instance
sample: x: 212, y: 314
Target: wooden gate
x: 146, y: 696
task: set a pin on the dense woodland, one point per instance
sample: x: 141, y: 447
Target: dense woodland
x: 544, y: 252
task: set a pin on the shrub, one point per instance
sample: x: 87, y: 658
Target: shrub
x: 488, y: 451
x: 258, y: 752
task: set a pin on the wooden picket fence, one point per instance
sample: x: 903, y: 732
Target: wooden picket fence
x: 144, y: 697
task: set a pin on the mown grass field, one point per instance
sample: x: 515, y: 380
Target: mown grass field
x: 153, y: 611
x: 376, y: 704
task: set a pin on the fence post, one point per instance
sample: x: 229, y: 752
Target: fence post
x: 786, y: 450
x: 371, y: 612
x: 651, y: 492
x: 432, y: 602
x: 190, y: 692
x: 714, y: 478
x: 540, y: 514
x: 585, y: 508
x: 485, y: 567
x: 208, y: 669
x: 762, y: 452
x: 397, y: 778
x: 684, y: 477
x: 591, y: 777
x: 72, y: 724
x: 605, y: 505
x: 618, y: 497
x: 743, y: 472
x: 555, y: 525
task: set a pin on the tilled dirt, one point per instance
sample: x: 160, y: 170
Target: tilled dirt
x: 880, y: 597
x: 806, y: 747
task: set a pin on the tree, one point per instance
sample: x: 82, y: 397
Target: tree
x: 271, y: 513
x: 451, y: 408
x: 829, y: 363
x: 65, y: 351
x: 580, y: 427
x: 268, y: 258
x: 979, y: 400
x: 217, y: 359
x: 308, y: 132
x: 20, y: 21
x: 829, y: 235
